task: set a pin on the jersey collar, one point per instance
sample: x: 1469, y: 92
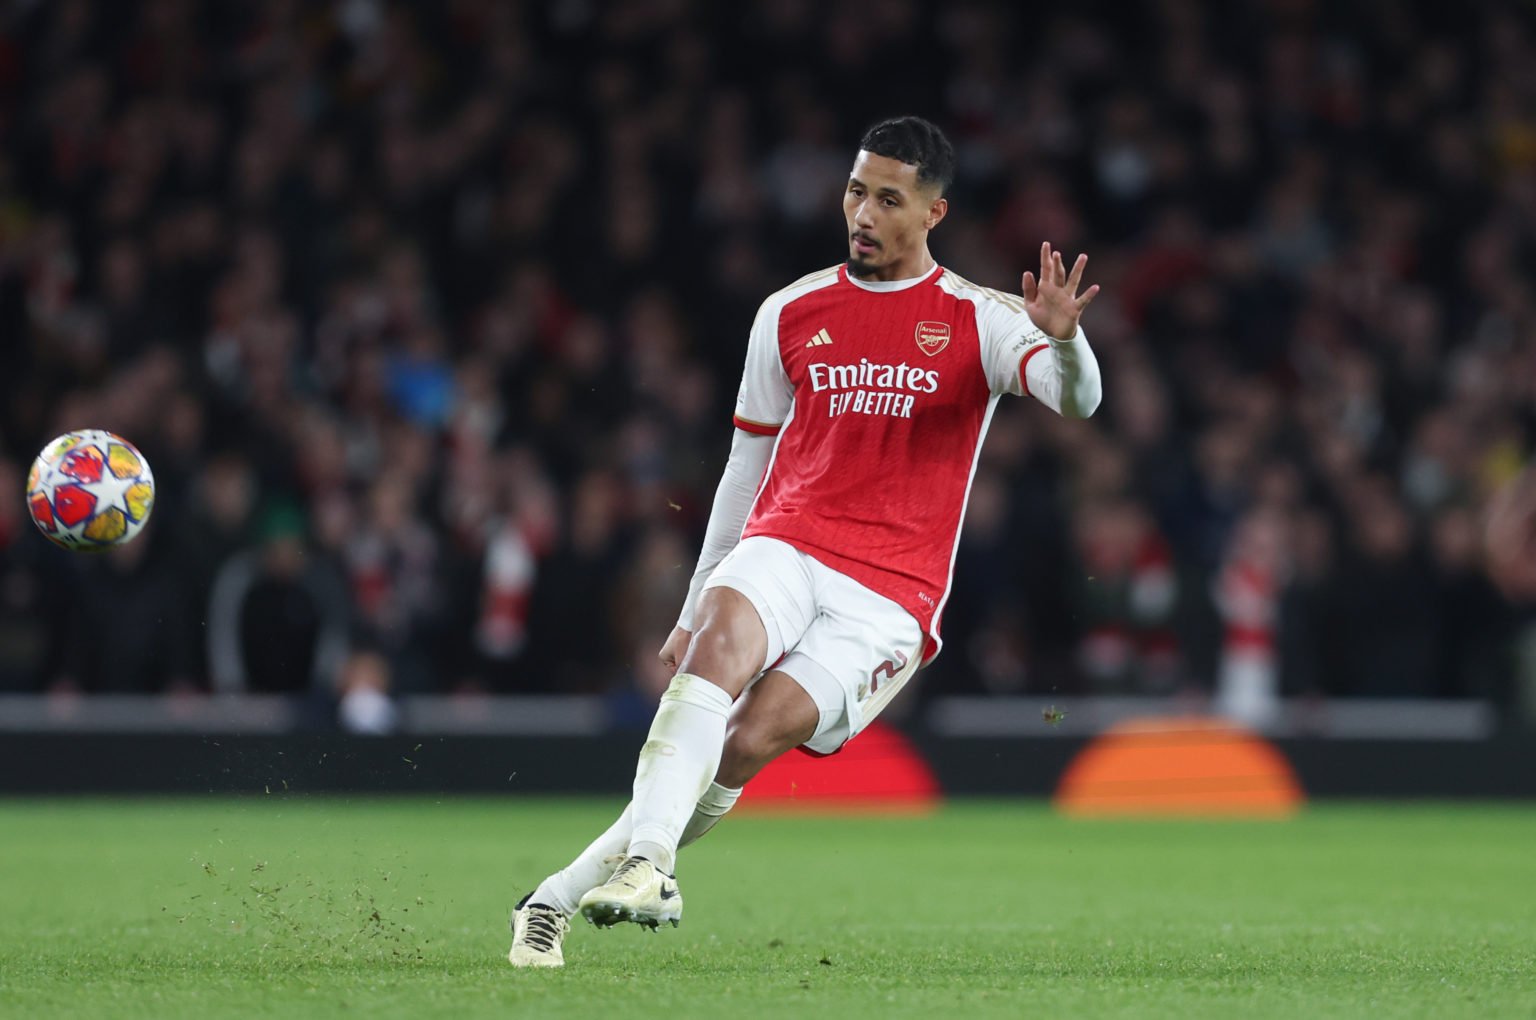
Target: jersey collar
x: 880, y: 286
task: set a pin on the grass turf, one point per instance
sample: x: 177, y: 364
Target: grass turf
x: 288, y: 907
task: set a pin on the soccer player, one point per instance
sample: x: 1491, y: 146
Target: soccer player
x: 829, y: 551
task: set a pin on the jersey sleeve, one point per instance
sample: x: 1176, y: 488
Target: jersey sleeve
x: 766, y: 396
x: 1009, y: 341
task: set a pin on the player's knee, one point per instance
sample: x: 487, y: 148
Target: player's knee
x: 725, y: 656
x: 713, y: 654
x: 730, y: 616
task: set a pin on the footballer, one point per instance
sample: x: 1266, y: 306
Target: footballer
x: 830, y: 548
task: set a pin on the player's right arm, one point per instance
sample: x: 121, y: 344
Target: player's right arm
x: 738, y: 487
x: 762, y: 405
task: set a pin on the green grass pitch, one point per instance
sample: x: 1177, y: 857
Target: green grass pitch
x: 310, y: 907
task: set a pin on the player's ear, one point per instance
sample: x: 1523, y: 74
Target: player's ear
x: 936, y: 212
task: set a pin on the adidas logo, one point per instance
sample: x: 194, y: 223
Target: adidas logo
x: 819, y: 339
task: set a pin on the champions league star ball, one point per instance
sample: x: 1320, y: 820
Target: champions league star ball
x: 90, y: 490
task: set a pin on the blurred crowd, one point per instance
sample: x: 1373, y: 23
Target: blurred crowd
x: 429, y: 317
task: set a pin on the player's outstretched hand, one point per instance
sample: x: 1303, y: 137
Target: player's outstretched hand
x: 676, y: 647
x: 1052, y: 302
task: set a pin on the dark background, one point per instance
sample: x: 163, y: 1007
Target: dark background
x: 429, y: 316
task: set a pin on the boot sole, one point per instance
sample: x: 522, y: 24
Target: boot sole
x: 606, y: 914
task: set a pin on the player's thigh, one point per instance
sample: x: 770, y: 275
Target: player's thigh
x: 775, y: 578
x: 858, y: 654
x: 729, y: 641
x: 775, y: 715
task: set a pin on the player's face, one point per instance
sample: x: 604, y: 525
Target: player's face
x: 889, y: 215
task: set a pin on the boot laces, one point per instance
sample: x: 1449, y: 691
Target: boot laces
x: 543, y: 930
x: 630, y: 864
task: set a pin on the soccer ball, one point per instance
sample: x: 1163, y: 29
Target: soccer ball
x: 90, y: 490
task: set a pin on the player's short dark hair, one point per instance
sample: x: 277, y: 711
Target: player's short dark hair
x: 918, y: 142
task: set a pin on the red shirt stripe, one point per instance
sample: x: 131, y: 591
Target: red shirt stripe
x: 757, y: 428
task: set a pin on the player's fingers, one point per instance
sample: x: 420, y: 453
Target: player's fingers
x: 1030, y: 290
x: 1088, y: 295
x: 1045, y: 262
x: 1058, y: 271
x: 1076, y: 279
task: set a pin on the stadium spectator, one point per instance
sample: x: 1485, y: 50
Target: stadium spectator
x: 124, y: 629
x: 364, y: 705
x: 392, y: 559
x: 277, y: 617
x: 30, y: 593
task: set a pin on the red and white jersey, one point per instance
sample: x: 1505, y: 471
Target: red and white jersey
x: 880, y: 395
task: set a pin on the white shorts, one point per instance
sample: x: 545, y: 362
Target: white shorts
x: 850, y: 648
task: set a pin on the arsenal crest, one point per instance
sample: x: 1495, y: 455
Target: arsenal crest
x: 932, y: 337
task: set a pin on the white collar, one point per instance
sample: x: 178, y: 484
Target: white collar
x: 888, y: 285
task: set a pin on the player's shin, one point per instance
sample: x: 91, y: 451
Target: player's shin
x: 712, y: 807
x: 676, y: 765
x: 594, y: 866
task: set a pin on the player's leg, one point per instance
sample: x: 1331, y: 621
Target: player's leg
x: 777, y: 715
x: 774, y: 716
x: 856, y: 655
x: 720, y: 611
x: 861, y: 653
x: 591, y: 868
x: 682, y: 751
x: 678, y: 760
x: 541, y: 920
x: 799, y: 704
x: 757, y: 599
x: 849, y: 664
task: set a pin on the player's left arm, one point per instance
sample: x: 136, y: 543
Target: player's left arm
x: 1046, y: 355
x: 1066, y: 375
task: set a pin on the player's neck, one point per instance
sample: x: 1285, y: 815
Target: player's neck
x: 919, y: 263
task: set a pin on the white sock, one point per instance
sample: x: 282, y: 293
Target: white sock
x: 717, y: 800
x: 676, y: 766
x: 564, y: 889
